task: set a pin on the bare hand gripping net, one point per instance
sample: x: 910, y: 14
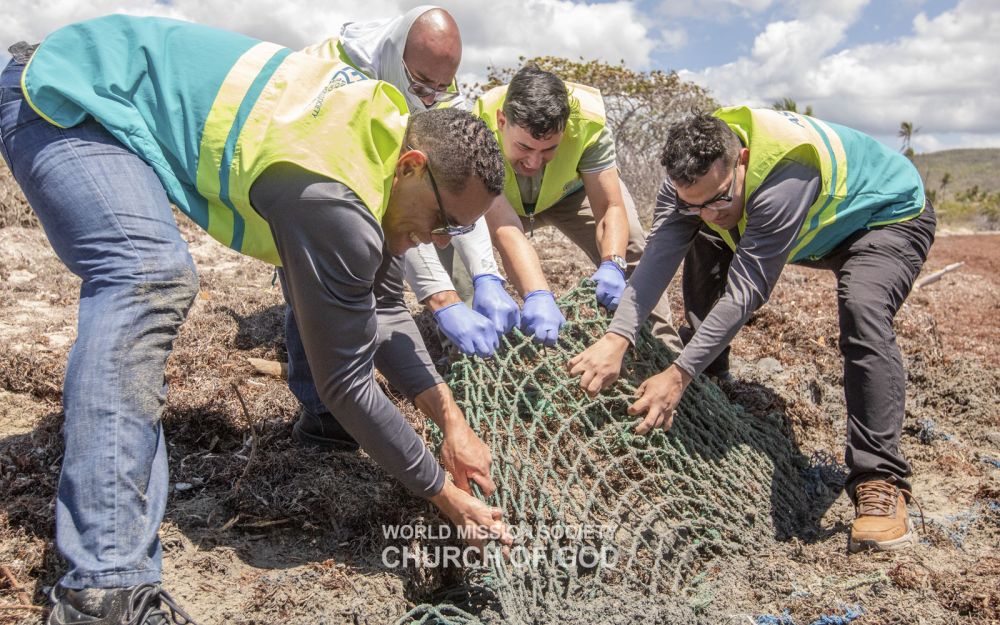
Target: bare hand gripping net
x: 613, y: 526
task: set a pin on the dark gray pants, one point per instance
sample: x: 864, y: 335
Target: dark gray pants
x: 703, y: 282
x: 875, y: 270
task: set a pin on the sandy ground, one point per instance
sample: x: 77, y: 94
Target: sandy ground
x: 258, y: 531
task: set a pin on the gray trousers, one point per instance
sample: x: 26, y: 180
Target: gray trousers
x: 574, y: 217
x: 875, y: 271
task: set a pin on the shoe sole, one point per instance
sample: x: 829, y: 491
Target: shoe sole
x: 305, y: 439
x: 906, y: 541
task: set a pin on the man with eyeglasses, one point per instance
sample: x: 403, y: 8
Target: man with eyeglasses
x: 779, y: 187
x: 418, y: 53
x: 107, y: 123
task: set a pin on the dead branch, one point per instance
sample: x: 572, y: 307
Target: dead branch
x: 22, y: 592
x: 934, y: 277
x: 28, y: 608
x: 271, y: 368
x: 253, y: 439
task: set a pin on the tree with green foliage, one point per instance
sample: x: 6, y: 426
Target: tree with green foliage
x: 788, y: 104
x: 640, y: 107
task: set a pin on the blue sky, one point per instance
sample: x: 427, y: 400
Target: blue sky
x: 869, y: 64
x: 714, y: 40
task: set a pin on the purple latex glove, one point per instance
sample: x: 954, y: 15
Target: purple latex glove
x: 541, y: 317
x: 492, y: 301
x: 610, y: 281
x: 471, y: 332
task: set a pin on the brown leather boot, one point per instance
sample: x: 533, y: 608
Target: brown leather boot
x: 881, y: 521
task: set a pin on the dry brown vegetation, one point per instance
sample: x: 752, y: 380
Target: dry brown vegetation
x: 258, y: 531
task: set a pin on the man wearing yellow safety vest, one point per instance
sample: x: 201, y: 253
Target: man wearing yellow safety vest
x: 560, y: 171
x: 780, y: 187
x: 418, y: 53
x: 291, y: 158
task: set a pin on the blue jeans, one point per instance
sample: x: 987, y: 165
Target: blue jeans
x: 109, y: 221
x: 300, y: 379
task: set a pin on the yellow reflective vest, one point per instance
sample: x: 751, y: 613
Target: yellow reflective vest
x: 586, y: 121
x: 210, y: 110
x: 864, y: 183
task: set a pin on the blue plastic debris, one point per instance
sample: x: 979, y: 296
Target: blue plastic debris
x: 785, y: 618
x: 849, y: 615
x: 929, y: 432
x: 768, y: 619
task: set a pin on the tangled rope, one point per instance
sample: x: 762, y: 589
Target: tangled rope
x: 613, y: 526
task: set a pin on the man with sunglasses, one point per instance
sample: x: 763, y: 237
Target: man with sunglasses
x: 779, y: 187
x: 110, y: 121
x: 418, y: 53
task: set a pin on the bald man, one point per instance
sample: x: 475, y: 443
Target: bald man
x: 430, y: 59
x: 418, y: 53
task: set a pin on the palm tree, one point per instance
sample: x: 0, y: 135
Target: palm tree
x: 906, y: 132
x: 788, y: 104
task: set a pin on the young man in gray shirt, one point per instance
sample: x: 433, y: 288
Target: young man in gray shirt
x: 779, y: 187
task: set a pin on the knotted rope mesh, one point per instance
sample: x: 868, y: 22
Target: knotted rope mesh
x: 642, y: 515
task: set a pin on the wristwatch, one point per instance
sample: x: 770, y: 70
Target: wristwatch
x: 619, y: 261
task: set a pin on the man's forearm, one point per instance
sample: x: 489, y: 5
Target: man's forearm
x: 438, y: 404
x: 520, y: 260
x: 612, y: 231
x: 425, y: 273
x: 441, y: 299
x: 476, y: 250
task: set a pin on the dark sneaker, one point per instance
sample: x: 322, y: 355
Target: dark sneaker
x: 322, y: 431
x: 145, y: 604
x: 881, y: 521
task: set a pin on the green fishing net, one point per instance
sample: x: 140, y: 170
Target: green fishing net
x: 612, y: 526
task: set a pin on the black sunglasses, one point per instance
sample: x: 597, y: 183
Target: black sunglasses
x: 450, y: 228
x: 719, y: 201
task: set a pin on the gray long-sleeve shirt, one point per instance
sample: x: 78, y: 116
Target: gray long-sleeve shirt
x: 775, y: 214
x: 331, y: 248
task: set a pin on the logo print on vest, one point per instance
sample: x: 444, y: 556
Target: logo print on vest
x: 343, y: 77
x: 792, y: 117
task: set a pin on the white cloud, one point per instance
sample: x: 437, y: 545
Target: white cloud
x: 491, y: 32
x: 498, y: 33
x: 294, y: 23
x: 844, y: 10
x: 713, y: 9
x: 673, y: 38
x: 942, y: 78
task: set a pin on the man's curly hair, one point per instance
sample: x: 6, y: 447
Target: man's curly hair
x: 696, y: 142
x: 459, y: 145
x: 537, y: 101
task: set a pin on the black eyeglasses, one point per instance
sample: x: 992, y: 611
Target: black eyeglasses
x: 423, y: 90
x: 719, y: 201
x: 450, y: 228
